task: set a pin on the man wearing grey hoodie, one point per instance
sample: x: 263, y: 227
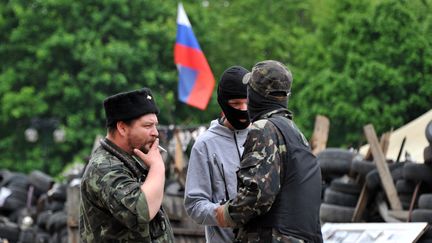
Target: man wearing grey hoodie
x: 215, y: 157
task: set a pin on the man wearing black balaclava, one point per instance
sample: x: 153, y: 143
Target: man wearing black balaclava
x: 279, y: 179
x: 211, y: 177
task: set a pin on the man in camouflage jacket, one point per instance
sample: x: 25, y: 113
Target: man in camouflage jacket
x: 122, y: 186
x: 279, y: 179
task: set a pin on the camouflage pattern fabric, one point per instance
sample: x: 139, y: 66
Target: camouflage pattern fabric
x: 269, y: 77
x: 258, y: 178
x: 261, y: 159
x: 113, y: 208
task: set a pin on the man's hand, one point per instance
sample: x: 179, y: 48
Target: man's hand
x: 220, y: 216
x: 153, y: 186
x: 152, y: 157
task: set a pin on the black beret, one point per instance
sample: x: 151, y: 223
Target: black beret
x: 129, y: 105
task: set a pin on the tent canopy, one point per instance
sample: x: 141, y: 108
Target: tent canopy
x: 414, y: 132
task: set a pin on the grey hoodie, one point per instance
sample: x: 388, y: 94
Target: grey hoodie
x: 215, y: 153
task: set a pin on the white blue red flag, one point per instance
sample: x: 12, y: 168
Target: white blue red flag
x: 196, y: 80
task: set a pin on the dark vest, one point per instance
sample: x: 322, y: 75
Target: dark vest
x: 295, y: 211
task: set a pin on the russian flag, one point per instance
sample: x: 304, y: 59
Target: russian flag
x: 196, y: 80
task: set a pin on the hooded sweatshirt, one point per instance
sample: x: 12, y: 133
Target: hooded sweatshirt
x: 211, y: 177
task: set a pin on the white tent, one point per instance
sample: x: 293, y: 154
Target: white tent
x: 414, y: 132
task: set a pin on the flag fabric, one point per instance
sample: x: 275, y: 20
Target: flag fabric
x: 196, y: 80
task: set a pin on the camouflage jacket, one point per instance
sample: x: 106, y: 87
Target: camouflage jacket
x: 113, y: 208
x: 262, y: 158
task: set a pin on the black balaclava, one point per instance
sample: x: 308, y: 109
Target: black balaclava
x: 232, y: 87
x: 259, y: 105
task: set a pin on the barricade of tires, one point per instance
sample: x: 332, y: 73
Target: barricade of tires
x: 32, y: 208
x: 423, y: 174
x: 344, y: 173
x: 340, y: 190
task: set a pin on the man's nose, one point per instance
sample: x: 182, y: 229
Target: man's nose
x: 155, y: 132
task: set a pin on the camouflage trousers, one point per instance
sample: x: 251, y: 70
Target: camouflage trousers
x: 265, y: 235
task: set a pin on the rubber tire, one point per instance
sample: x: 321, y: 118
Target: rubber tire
x: 421, y: 215
x: 340, y: 198
x: 372, y: 180
x: 427, y: 155
x: 418, y: 172
x: 5, y: 176
x: 41, y: 181
x: 13, y: 202
x: 9, y: 231
x: 27, y: 235
x: 54, y: 206
x: 43, y: 218
x: 428, y: 132
x: 425, y: 201
x: 346, y: 185
x: 405, y: 186
x: 56, y: 222
x: 405, y: 200
x: 42, y: 237
x: 335, y: 161
x: 335, y: 213
x: 18, y: 180
x: 58, y: 192
x: 397, y: 171
x: 362, y: 167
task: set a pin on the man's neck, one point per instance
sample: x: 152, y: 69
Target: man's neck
x: 119, y: 143
x: 226, y: 123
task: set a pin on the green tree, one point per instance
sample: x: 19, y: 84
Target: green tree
x: 366, y: 62
x: 60, y: 59
x: 356, y: 62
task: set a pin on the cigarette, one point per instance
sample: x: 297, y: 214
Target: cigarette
x: 160, y: 147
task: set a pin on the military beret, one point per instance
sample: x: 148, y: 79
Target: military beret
x: 129, y: 105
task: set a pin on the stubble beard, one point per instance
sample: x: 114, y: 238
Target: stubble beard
x: 140, y: 146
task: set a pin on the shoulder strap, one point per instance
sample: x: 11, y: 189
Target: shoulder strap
x: 278, y: 122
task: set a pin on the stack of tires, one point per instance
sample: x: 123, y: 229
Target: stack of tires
x: 32, y: 208
x: 423, y: 174
x: 340, y: 191
x: 344, y: 173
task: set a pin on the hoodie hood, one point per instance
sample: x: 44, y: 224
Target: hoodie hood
x: 221, y: 130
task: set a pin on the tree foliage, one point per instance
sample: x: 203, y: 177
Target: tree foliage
x: 373, y: 66
x: 356, y: 62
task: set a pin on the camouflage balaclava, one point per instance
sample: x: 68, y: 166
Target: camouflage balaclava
x: 269, y: 85
x: 231, y: 87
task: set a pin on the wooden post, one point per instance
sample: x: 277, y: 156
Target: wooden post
x: 361, y: 204
x: 179, y: 160
x: 413, y: 199
x: 385, y: 142
x: 72, y: 206
x: 320, y: 134
x: 364, y: 195
x: 382, y: 167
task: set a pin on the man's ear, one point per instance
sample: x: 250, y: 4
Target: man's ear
x: 121, y: 128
